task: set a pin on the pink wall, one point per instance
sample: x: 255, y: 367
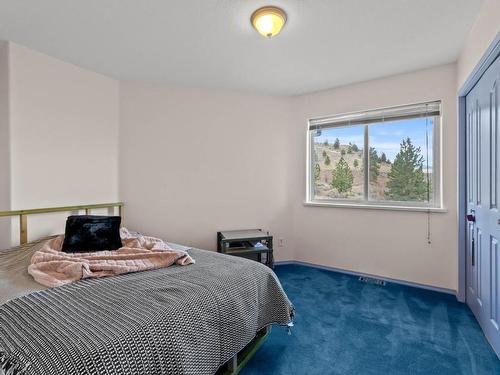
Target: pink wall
x: 190, y: 162
x: 194, y: 162
x: 63, y: 136
x: 387, y: 243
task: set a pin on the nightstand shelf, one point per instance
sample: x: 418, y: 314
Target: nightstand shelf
x: 248, y: 250
x: 253, y: 244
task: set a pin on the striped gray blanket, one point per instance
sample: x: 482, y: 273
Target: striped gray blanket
x: 175, y: 320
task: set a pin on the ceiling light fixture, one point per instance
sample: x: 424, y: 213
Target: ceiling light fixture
x: 268, y: 21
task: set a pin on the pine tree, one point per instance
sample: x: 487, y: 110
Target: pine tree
x: 336, y: 144
x: 342, y: 152
x: 374, y: 165
x: 406, y: 178
x: 383, y: 158
x: 355, y: 147
x: 355, y: 163
x: 327, y: 160
x: 317, y: 171
x: 324, y: 154
x: 342, y: 178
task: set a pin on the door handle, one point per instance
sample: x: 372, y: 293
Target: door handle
x: 471, y: 218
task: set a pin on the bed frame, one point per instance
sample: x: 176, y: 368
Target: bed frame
x: 236, y: 364
x: 232, y: 367
x: 23, y: 214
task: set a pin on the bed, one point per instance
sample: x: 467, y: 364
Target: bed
x: 176, y: 320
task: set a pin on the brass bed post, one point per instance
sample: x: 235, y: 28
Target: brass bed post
x: 23, y: 229
x: 121, y: 214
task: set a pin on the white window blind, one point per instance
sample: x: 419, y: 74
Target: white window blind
x: 378, y: 115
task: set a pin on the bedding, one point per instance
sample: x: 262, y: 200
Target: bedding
x: 174, y: 320
x: 52, y: 267
x: 15, y: 281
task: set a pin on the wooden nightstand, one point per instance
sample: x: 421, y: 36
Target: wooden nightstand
x: 252, y: 243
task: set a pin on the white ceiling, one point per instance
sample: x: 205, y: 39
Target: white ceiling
x: 210, y: 43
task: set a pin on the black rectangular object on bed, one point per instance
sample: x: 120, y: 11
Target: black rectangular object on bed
x: 86, y: 233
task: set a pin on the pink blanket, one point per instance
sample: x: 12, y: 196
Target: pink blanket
x: 52, y: 267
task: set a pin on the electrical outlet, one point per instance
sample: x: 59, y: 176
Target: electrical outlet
x: 281, y: 242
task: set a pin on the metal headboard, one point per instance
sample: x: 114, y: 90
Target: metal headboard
x: 23, y: 214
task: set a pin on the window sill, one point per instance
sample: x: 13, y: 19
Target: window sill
x: 376, y: 207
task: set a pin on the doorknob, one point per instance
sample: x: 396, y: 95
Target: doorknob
x: 471, y: 218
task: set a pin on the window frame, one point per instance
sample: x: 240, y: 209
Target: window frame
x: 437, y: 192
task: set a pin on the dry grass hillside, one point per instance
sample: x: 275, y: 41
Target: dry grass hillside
x: 323, y: 184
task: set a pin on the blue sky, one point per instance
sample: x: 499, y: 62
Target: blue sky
x: 385, y: 137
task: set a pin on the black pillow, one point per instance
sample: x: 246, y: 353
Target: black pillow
x: 92, y: 233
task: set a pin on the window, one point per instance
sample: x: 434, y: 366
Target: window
x: 385, y: 157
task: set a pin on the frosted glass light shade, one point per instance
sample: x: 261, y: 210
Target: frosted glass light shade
x: 268, y: 21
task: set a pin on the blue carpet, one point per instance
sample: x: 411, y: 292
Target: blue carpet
x: 343, y: 326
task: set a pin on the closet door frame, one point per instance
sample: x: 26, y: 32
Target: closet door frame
x: 487, y: 59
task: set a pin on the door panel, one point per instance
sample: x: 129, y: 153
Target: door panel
x: 471, y: 276
x: 493, y: 145
x: 483, y: 229
x: 479, y: 267
x: 478, y: 152
x: 470, y: 160
x: 494, y: 280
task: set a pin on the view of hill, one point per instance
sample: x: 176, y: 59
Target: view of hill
x: 339, y: 173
